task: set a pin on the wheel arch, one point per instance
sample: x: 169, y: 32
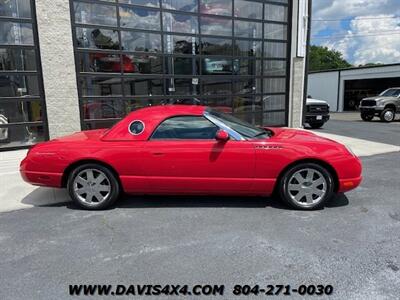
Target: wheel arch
x: 75, y: 164
x: 321, y: 162
x: 392, y: 106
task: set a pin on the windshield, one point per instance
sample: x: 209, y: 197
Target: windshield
x: 391, y: 93
x: 243, y: 128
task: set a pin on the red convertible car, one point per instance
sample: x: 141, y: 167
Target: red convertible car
x: 192, y: 150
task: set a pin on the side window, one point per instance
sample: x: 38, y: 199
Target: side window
x: 187, y: 127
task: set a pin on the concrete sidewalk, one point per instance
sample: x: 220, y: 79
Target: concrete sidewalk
x: 16, y: 194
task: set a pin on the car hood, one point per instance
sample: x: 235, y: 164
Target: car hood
x: 379, y: 98
x: 316, y: 101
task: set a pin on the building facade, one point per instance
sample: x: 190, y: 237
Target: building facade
x: 68, y: 65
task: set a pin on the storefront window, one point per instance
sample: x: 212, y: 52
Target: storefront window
x: 22, y: 110
x: 229, y: 54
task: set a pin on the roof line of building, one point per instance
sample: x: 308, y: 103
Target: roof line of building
x: 354, y: 68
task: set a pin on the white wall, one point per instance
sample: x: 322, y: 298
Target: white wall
x: 324, y: 86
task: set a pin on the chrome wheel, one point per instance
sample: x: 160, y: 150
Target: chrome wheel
x: 91, y: 186
x: 388, y: 115
x: 307, y: 187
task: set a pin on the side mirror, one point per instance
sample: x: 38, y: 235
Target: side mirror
x: 222, y: 136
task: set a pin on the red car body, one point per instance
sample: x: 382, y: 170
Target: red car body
x: 145, y: 166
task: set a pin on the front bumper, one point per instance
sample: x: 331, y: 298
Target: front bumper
x: 371, y: 109
x: 317, y: 118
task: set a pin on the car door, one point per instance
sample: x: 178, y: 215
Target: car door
x: 183, y: 156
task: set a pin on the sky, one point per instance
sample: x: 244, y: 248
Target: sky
x: 365, y: 31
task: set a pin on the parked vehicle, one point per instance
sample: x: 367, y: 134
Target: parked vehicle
x: 385, y: 106
x: 192, y: 150
x: 317, y: 112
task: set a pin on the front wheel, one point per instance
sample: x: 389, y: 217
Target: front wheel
x: 366, y: 117
x: 93, y: 186
x: 316, y: 125
x: 387, y: 115
x: 306, y: 186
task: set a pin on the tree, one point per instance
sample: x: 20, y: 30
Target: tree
x: 322, y: 58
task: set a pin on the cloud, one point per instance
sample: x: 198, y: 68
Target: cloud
x: 370, y: 32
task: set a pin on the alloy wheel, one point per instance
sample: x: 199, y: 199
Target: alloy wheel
x: 91, y: 186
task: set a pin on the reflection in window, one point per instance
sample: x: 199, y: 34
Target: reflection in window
x: 245, y: 86
x: 274, y: 102
x: 275, y: 50
x: 183, y: 86
x: 183, y: 5
x: 182, y: 65
x: 97, y: 38
x: 246, y: 29
x: 274, y: 85
x: 142, y: 64
x: 139, y: 18
x: 222, y: 104
x: 275, y: 12
x: 181, y: 44
x: 248, y: 9
x: 216, y: 26
x: 185, y: 128
x: 140, y: 41
x: 18, y: 85
x: 16, y: 33
x: 248, y: 48
x: 275, y: 31
x: 95, y: 13
x: 17, y: 60
x: 20, y: 111
x: 216, y: 46
x: 249, y: 67
x: 216, y: 7
x: 103, y: 109
x: 99, y: 62
x: 217, y: 86
x: 150, y: 3
x: 100, y: 86
x: 180, y: 23
x: 15, y: 8
x: 143, y: 86
x: 219, y: 66
x: 274, y: 68
x: 246, y: 103
x: 274, y: 118
x: 20, y: 135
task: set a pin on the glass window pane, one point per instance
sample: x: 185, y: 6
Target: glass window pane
x: 181, y: 44
x: 249, y: 67
x: 246, y: 86
x: 182, y: 65
x: 248, y: 9
x: 142, y: 64
x: 12, y: 33
x: 17, y: 60
x: 248, y: 48
x: 97, y: 38
x: 143, y: 86
x: 183, y: 5
x: 246, y: 103
x: 216, y: 46
x: 15, y: 8
x: 20, y: 111
x: 180, y: 23
x: 183, y: 86
x: 21, y: 135
x: 133, y: 104
x: 100, y: 86
x: 18, y: 85
x: 275, y: 31
x: 218, y: 66
x: 275, y: 50
x: 216, y: 7
x: 99, y: 62
x: 246, y: 29
x: 216, y: 86
x: 274, y: 85
x: 220, y: 103
x: 274, y: 102
x: 150, y: 3
x: 274, y: 118
x: 216, y: 26
x: 103, y: 109
x: 274, y: 67
x: 185, y: 128
x: 139, y: 18
x: 95, y: 13
x: 141, y: 41
x: 276, y: 12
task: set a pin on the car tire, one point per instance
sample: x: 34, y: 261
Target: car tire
x: 367, y: 117
x: 93, y: 186
x: 387, y: 115
x: 306, y: 186
x: 316, y: 125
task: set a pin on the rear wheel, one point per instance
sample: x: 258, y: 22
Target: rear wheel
x: 316, y: 125
x: 387, y: 115
x: 367, y: 117
x: 93, y: 186
x: 306, y: 186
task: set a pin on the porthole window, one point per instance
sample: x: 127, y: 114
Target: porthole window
x: 136, y: 127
